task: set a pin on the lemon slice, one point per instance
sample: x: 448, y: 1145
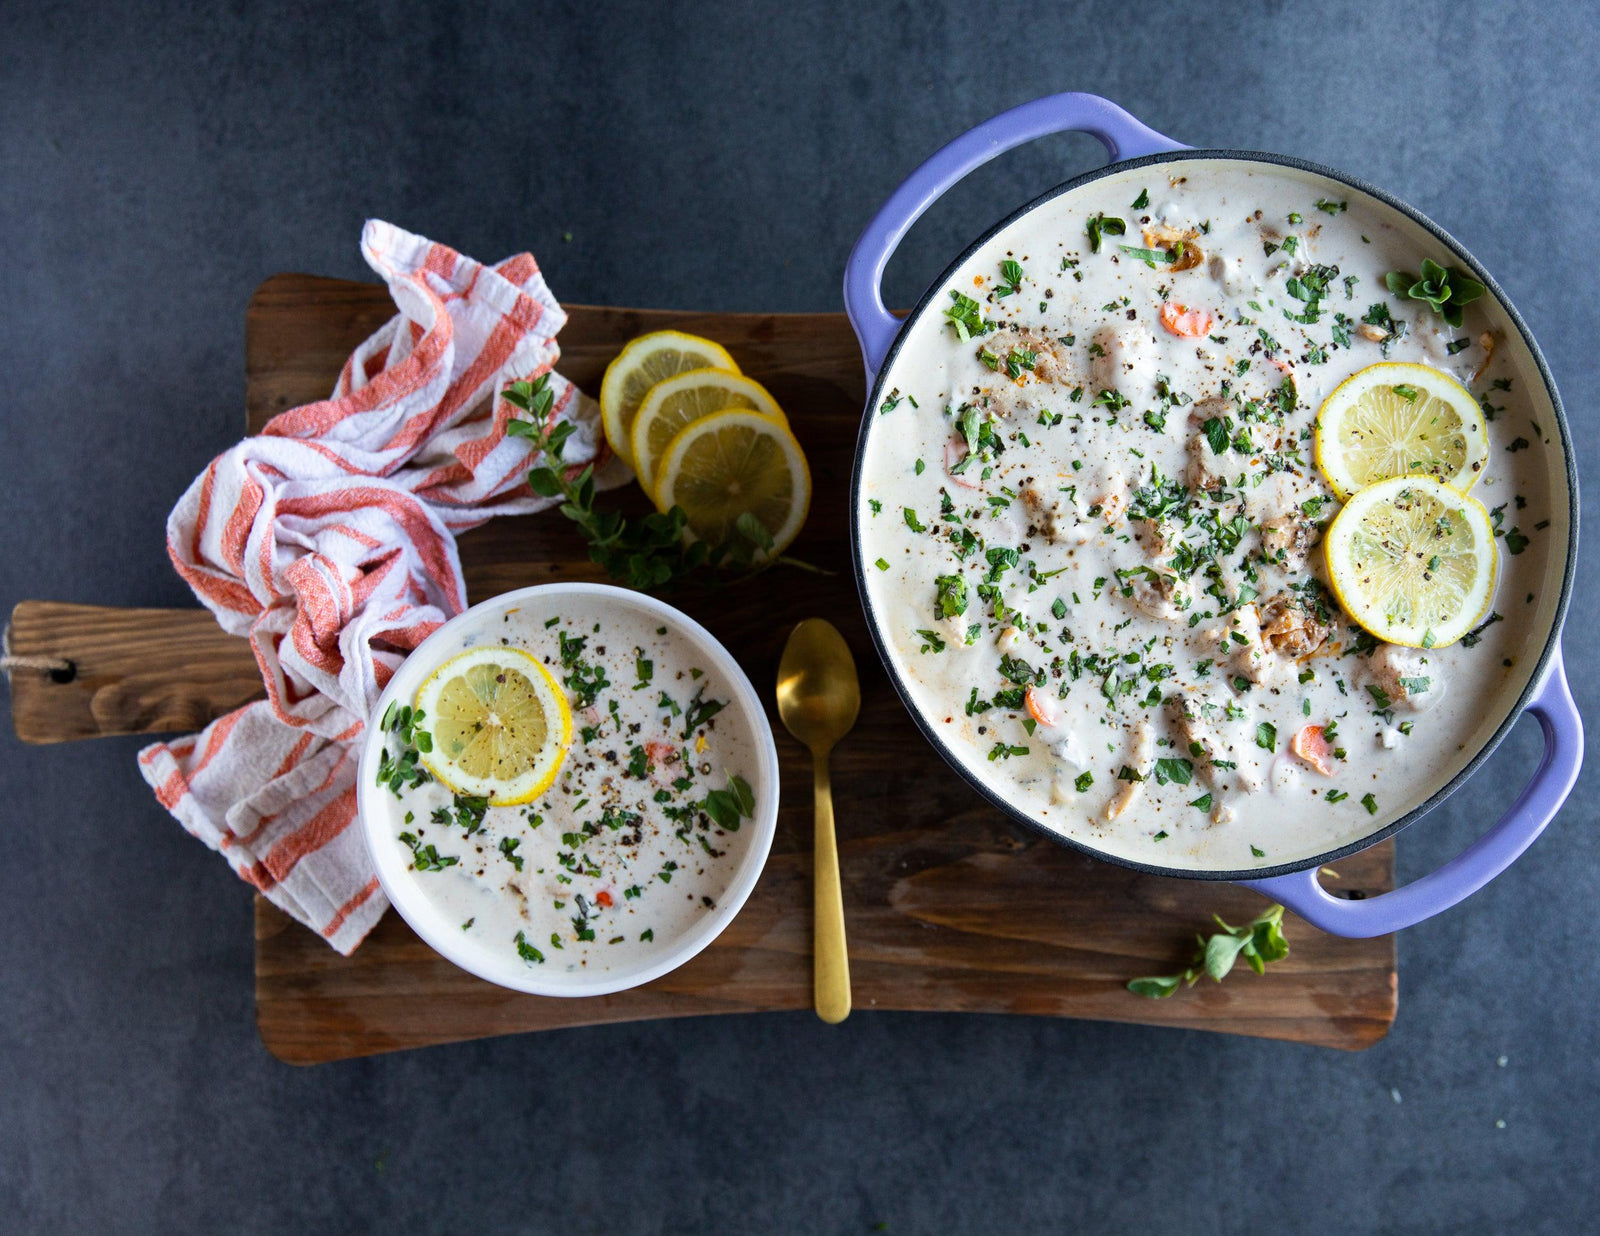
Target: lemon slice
x: 1413, y: 561
x: 1400, y: 420
x: 639, y: 366
x: 499, y: 722
x: 675, y: 402
x: 735, y: 463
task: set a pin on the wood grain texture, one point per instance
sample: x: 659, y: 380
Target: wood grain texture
x: 133, y: 671
x: 950, y: 907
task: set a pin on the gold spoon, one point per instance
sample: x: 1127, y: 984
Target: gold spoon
x: 818, y: 699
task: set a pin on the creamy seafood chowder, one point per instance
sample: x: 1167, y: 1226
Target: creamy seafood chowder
x: 1092, y: 520
x: 639, y: 775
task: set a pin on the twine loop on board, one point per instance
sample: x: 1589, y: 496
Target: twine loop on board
x: 59, y: 669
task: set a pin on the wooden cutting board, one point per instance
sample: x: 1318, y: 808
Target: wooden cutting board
x: 950, y: 907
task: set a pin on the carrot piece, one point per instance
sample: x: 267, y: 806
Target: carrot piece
x: 1042, y: 707
x: 1314, y: 749
x: 602, y: 898
x: 1184, y: 321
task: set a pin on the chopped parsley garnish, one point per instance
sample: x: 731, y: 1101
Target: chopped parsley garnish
x: 1102, y: 225
x: 526, y: 951
x: 966, y: 317
x: 426, y: 857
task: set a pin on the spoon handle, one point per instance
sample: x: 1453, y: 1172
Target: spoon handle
x: 831, y: 958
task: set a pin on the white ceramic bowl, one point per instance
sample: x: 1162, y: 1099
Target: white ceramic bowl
x: 446, y: 938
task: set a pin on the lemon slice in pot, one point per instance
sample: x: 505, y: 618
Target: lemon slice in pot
x: 675, y: 402
x: 1413, y: 561
x: 645, y: 361
x: 737, y: 463
x: 499, y: 723
x: 1400, y: 420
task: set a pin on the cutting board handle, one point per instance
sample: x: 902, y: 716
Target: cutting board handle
x: 1121, y: 134
x: 1480, y: 862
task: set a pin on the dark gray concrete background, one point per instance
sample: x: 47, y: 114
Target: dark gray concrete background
x: 156, y: 164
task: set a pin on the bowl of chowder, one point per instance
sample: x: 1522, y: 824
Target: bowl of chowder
x: 1091, y: 515
x: 569, y: 789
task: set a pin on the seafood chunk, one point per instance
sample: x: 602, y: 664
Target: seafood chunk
x: 1167, y: 238
x: 1123, y: 359
x: 1128, y: 792
x: 1161, y: 594
x: 1245, y: 654
x: 1289, y: 628
x: 1216, y: 737
x: 1051, y: 518
x: 1230, y: 273
x: 1108, y: 499
x: 1022, y: 343
x: 1072, y: 758
x: 1287, y: 540
x: 1404, y: 677
x: 1206, y: 467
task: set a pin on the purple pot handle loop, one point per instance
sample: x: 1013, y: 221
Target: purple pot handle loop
x: 1480, y: 862
x: 1121, y: 135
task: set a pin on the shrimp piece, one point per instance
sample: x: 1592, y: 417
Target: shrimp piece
x: 1042, y: 708
x: 1185, y: 322
x: 1128, y: 792
x: 1310, y: 745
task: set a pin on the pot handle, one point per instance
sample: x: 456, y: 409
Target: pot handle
x: 1121, y: 135
x: 1480, y: 862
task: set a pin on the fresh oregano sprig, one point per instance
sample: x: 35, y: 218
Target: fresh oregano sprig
x: 645, y: 553
x: 1445, y: 291
x: 642, y: 553
x: 1258, y: 942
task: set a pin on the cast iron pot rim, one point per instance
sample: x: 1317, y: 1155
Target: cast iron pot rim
x: 1535, y: 680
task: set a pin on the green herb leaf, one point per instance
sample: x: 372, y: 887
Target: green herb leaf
x: 1179, y: 771
x: 1259, y: 942
x: 526, y: 951
x: 1101, y: 225
x: 1445, y: 291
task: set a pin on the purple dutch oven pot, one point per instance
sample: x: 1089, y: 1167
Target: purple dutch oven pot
x: 1545, y: 693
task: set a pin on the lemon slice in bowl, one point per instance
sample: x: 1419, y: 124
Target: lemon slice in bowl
x: 675, y: 402
x: 499, y: 722
x: 1400, y: 420
x: 736, y: 463
x: 1413, y: 561
x: 645, y: 361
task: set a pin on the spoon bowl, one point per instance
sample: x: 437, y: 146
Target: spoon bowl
x: 819, y: 695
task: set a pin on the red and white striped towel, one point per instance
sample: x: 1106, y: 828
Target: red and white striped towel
x: 328, y: 540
